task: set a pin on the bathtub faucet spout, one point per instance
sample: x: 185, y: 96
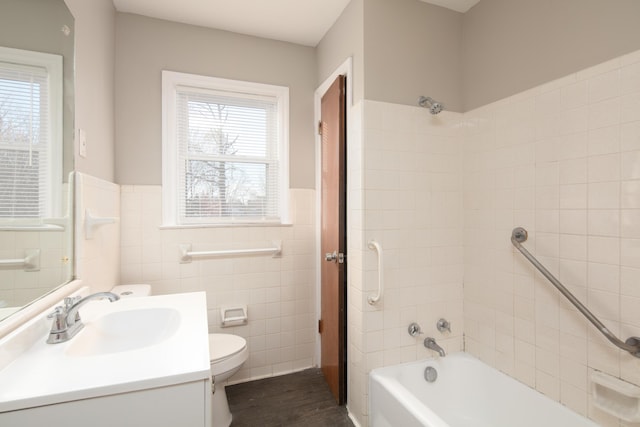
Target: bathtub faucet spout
x: 431, y: 344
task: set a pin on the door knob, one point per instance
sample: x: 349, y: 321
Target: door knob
x: 334, y: 257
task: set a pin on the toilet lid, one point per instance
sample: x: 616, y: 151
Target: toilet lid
x: 222, y: 346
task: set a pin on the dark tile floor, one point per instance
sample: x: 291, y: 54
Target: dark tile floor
x: 298, y: 399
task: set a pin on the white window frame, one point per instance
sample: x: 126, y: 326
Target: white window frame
x: 171, y: 81
x: 53, y: 64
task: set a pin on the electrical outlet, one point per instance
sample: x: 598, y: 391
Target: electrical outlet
x: 82, y: 143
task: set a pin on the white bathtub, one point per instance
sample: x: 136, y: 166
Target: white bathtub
x: 467, y: 393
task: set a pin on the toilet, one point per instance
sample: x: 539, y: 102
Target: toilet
x: 227, y: 353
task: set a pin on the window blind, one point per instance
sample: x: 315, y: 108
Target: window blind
x: 228, y: 156
x: 25, y: 141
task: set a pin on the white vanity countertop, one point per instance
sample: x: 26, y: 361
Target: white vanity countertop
x: 46, y: 374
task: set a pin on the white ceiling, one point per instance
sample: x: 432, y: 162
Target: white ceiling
x: 303, y: 22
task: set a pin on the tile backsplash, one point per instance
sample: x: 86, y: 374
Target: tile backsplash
x: 278, y: 291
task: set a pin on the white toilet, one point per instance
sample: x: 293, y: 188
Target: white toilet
x: 228, y: 353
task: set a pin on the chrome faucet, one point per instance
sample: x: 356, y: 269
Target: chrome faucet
x: 66, y: 319
x: 431, y: 344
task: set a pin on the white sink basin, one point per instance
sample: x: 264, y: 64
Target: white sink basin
x: 124, y: 331
x: 127, y: 345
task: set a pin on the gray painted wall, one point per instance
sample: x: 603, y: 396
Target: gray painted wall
x: 412, y: 48
x: 95, y: 86
x: 512, y: 45
x: 401, y: 49
x: 146, y: 46
x: 343, y: 40
x: 496, y: 49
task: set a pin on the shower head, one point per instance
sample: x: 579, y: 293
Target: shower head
x: 434, y: 106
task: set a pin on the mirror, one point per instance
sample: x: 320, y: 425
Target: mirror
x: 36, y: 149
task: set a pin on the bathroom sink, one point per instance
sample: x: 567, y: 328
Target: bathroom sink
x: 129, y: 345
x: 125, y: 331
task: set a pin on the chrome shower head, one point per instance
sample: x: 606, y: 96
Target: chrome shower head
x: 434, y: 106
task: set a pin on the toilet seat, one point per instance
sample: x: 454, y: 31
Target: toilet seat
x: 226, y: 352
x: 223, y: 346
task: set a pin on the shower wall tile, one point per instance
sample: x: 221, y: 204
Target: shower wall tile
x: 278, y: 291
x: 412, y: 205
x: 577, y: 193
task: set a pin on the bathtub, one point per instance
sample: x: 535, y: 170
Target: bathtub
x: 466, y: 393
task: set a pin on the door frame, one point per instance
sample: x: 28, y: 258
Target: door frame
x: 346, y: 69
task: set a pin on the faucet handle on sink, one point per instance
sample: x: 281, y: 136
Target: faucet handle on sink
x: 59, y: 315
x: 56, y: 312
x: 68, y: 303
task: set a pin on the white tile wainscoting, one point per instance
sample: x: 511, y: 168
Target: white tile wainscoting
x: 279, y: 291
x: 97, y: 260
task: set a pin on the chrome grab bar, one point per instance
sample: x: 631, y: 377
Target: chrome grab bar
x: 632, y: 344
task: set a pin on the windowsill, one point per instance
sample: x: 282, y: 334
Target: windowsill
x: 230, y: 225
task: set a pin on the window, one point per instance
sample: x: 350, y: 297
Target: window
x: 225, y: 146
x: 30, y: 135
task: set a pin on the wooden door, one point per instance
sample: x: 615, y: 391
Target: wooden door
x: 333, y: 239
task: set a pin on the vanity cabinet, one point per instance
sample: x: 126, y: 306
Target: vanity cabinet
x: 183, y: 405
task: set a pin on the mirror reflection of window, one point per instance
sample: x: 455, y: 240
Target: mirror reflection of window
x: 30, y: 137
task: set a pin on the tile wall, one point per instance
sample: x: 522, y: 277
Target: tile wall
x: 97, y: 258
x: 19, y: 286
x: 563, y: 161
x: 405, y: 174
x: 279, y: 292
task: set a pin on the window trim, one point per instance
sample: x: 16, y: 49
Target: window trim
x: 171, y: 81
x: 53, y: 64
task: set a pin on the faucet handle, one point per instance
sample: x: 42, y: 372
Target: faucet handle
x: 60, y: 318
x: 443, y: 325
x: 414, y: 329
x: 69, y: 301
x: 56, y: 312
